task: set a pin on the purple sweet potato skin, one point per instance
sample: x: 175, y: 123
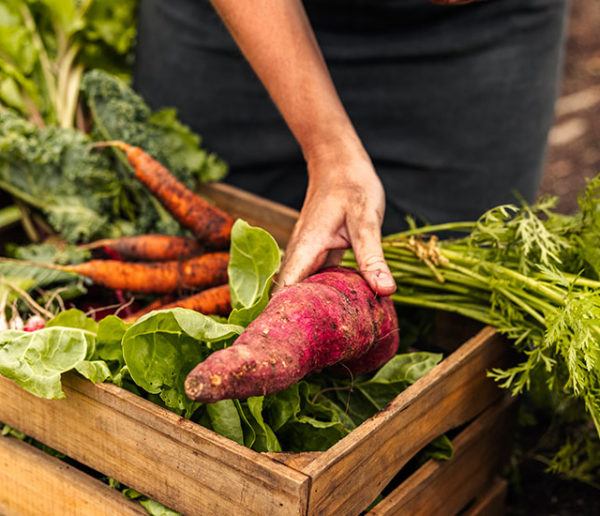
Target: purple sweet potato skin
x: 332, y: 317
x: 384, y: 348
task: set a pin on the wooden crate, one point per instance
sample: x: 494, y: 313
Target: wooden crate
x: 195, y: 471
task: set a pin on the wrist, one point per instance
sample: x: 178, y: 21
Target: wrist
x: 334, y: 150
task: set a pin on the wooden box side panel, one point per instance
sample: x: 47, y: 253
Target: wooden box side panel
x: 276, y: 218
x: 168, y: 458
x: 33, y: 482
x: 491, y: 502
x: 347, y: 477
x: 446, y: 487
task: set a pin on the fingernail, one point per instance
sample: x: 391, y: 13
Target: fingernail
x: 385, y: 280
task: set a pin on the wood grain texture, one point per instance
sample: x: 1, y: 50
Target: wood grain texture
x: 278, y: 219
x: 33, y: 483
x: 172, y: 460
x: 347, y: 477
x: 491, y: 502
x: 447, y: 487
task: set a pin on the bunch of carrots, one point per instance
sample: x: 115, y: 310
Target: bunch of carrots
x: 162, y: 264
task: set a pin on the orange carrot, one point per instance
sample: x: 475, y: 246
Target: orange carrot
x: 150, y: 248
x: 204, y: 271
x: 207, y: 222
x: 216, y: 300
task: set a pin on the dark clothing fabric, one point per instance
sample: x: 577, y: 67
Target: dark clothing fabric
x: 453, y: 104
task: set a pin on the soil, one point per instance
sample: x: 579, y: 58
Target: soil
x: 573, y: 156
x: 574, y: 150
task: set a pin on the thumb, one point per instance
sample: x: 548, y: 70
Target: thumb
x: 371, y: 263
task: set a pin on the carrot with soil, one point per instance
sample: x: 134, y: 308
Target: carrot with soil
x: 208, y: 223
x: 212, y: 301
x: 150, y: 248
x: 203, y: 271
x: 330, y: 318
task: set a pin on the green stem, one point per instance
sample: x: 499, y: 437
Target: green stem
x: 45, y: 62
x: 534, y: 285
x: 524, y: 306
x: 69, y: 78
x: 434, y: 228
x: 473, y: 312
x: 29, y: 199
x: 469, y: 292
x: 9, y: 215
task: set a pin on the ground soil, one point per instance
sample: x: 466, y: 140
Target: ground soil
x: 574, y: 150
x: 573, y: 156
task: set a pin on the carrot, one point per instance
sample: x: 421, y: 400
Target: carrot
x: 208, y: 223
x: 330, y: 318
x: 155, y: 305
x: 216, y: 301
x: 203, y: 271
x: 150, y: 248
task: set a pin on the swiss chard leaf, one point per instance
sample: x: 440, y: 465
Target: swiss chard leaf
x: 36, y: 360
x: 254, y: 259
x: 225, y: 420
x: 161, y: 348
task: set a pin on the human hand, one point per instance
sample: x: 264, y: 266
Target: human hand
x: 343, y: 209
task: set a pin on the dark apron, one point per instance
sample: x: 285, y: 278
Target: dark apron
x: 453, y: 104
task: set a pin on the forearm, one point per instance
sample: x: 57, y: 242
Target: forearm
x: 276, y: 38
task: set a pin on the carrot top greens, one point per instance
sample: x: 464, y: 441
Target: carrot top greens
x: 533, y: 274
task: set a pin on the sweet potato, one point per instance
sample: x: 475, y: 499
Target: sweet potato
x: 329, y: 318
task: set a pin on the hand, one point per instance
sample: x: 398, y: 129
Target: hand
x: 343, y: 209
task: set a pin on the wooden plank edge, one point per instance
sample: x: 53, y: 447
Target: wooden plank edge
x: 276, y: 218
x: 181, y: 429
x: 485, y: 440
x: 127, y: 456
x: 492, y: 502
x: 432, y: 380
x: 361, y: 464
x: 34, y: 482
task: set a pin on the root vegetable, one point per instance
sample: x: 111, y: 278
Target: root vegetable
x: 203, y: 271
x: 329, y: 318
x: 208, y: 223
x: 212, y: 301
x: 150, y: 248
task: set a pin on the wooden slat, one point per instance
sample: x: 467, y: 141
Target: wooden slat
x: 176, y: 462
x: 32, y: 482
x: 446, y: 487
x: 278, y: 219
x: 347, y: 477
x: 490, y: 503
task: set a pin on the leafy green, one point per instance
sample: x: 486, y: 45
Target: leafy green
x: 531, y: 273
x: 153, y: 357
x: 121, y: 114
x: 52, y: 170
x: 36, y: 360
x: 254, y: 260
x: 108, y: 341
x: 86, y: 194
x: 94, y: 370
x: 161, y: 348
x: 45, y: 45
x: 225, y: 420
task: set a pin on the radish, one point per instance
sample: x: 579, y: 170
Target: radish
x: 332, y: 317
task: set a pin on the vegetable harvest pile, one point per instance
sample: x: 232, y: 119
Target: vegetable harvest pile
x: 103, y: 189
